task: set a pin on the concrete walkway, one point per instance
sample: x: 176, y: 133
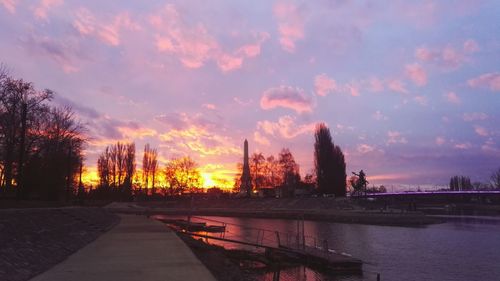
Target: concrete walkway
x: 137, y: 248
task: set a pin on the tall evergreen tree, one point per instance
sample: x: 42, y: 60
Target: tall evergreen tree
x: 329, y: 163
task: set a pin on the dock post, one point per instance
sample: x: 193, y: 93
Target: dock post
x: 278, y: 238
x: 325, y: 245
x: 378, y: 276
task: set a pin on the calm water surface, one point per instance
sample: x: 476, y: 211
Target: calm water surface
x: 464, y: 249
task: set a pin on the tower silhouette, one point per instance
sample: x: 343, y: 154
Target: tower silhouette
x: 246, y: 178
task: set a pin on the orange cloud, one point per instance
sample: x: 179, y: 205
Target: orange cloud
x: 259, y: 138
x: 285, y: 127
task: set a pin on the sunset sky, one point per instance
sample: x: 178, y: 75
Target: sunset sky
x: 409, y: 89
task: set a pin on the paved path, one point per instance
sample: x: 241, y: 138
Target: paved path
x: 136, y: 249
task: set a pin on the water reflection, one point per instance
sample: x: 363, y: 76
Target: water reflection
x: 461, y: 249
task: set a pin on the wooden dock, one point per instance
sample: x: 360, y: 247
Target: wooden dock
x: 294, y: 250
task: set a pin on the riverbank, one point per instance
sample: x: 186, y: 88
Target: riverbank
x: 34, y: 240
x: 317, y: 209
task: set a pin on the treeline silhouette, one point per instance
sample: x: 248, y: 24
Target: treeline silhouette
x: 271, y: 172
x: 40, y: 144
x: 459, y: 183
x: 119, y: 179
x: 329, y: 177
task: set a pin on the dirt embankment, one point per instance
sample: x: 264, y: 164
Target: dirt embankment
x: 34, y: 240
x: 322, y: 209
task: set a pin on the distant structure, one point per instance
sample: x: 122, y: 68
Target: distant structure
x: 246, y: 179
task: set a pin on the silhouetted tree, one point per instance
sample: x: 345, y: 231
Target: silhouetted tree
x: 21, y: 105
x: 289, y: 170
x: 459, y: 183
x: 495, y: 179
x: 256, y: 169
x: 268, y: 172
x: 149, y: 166
x: 182, y: 174
x: 55, y: 156
x: 116, y: 168
x: 329, y: 163
x: 129, y: 169
x: 358, y: 183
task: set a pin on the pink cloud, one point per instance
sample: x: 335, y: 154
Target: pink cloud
x: 229, y: 63
x: 448, y: 57
x: 9, y: 5
x: 379, y: 116
x: 417, y: 74
x: 259, y: 138
x: 365, y: 148
x: 483, y: 132
x: 463, y: 146
x: 209, y: 106
x: 253, y: 50
x: 397, y: 86
x: 488, y: 80
x: 287, y: 97
x: 395, y: 137
x: 40, y: 12
x: 353, y: 89
x: 451, y: 97
x: 375, y: 85
x: 290, y: 25
x: 324, y: 85
x: 490, y: 147
x: 84, y: 22
x: 286, y: 127
x: 475, y: 116
x: 471, y: 46
x: 440, y: 140
x: 422, y: 100
x: 109, y: 33
x: 193, y: 44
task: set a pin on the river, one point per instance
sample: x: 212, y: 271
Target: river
x: 462, y: 249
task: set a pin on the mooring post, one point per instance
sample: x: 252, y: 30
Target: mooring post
x: 325, y: 245
x: 298, y: 230
x: 276, y: 275
x: 278, y: 238
x: 378, y: 276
